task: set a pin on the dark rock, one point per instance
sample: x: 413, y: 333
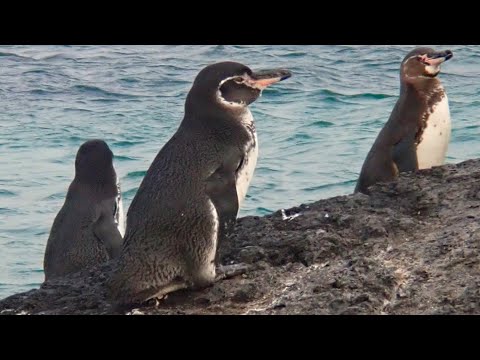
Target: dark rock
x: 411, y: 247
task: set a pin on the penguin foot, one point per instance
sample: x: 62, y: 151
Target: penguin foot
x: 162, y: 293
x: 229, y: 271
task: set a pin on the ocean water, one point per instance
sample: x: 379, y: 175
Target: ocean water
x: 314, y: 129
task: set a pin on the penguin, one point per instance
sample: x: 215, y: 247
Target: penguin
x: 86, y: 231
x: 417, y: 134
x: 190, y: 196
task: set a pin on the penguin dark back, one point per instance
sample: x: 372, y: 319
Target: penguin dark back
x: 85, y: 231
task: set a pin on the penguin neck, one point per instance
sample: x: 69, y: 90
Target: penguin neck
x: 425, y: 91
x: 100, y: 182
x: 202, y: 110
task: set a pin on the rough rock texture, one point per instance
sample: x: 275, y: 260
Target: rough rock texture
x: 412, y: 247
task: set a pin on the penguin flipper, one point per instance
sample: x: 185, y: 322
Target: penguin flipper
x: 106, y: 231
x: 405, y: 155
x: 222, y: 190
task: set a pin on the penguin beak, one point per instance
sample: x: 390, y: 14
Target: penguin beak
x: 264, y: 78
x: 437, y: 58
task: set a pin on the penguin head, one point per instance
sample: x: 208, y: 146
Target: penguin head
x: 424, y: 63
x: 233, y: 85
x: 94, y: 163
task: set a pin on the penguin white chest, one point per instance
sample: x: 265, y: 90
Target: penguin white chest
x: 119, y: 213
x: 245, y: 173
x: 433, y: 146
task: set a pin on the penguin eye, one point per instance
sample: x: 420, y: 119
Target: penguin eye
x: 422, y: 58
x: 238, y: 80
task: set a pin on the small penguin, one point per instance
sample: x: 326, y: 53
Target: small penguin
x: 86, y: 230
x: 191, y: 194
x: 417, y: 134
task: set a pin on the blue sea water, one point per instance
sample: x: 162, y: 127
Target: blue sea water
x: 314, y: 129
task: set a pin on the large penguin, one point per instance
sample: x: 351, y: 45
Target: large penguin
x: 191, y: 194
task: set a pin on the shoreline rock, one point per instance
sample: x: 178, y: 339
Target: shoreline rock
x: 411, y: 247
